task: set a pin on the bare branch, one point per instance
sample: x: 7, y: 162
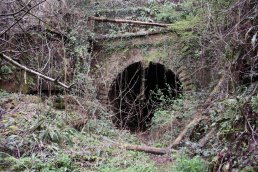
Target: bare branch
x: 18, y: 20
x: 9, y: 59
x: 16, y: 12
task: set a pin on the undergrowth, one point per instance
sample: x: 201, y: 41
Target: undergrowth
x: 46, y: 140
x: 170, y: 116
x: 185, y: 164
x: 36, y: 137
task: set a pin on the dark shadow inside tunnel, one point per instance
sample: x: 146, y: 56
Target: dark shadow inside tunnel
x: 133, y: 94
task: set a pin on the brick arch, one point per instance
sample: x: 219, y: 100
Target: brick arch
x: 112, y: 63
x: 118, y: 67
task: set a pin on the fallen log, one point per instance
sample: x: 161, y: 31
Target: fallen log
x: 218, y: 92
x: 130, y: 35
x: 9, y: 59
x: 146, y: 149
x: 102, y: 19
x: 206, y: 138
x: 198, y: 117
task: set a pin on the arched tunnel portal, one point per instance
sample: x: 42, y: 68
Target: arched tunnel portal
x: 135, y: 92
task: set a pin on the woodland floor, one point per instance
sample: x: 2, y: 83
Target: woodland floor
x: 212, y: 126
x: 40, y: 134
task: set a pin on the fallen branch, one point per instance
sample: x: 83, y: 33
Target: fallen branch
x: 9, y: 59
x: 186, y: 130
x: 146, y: 149
x: 131, y: 35
x: 16, y: 12
x: 102, y: 19
x: 216, y: 94
x: 206, y: 138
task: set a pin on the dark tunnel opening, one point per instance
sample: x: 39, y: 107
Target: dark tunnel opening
x: 132, y: 94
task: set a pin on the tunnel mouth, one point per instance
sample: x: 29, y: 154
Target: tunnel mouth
x: 133, y: 94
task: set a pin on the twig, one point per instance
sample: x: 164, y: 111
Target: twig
x: 9, y: 59
x: 18, y: 20
x: 16, y: 12
x: 59, y: 34
x: 246, y: 119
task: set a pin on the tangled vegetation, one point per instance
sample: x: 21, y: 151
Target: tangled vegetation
x: 53, y: 114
